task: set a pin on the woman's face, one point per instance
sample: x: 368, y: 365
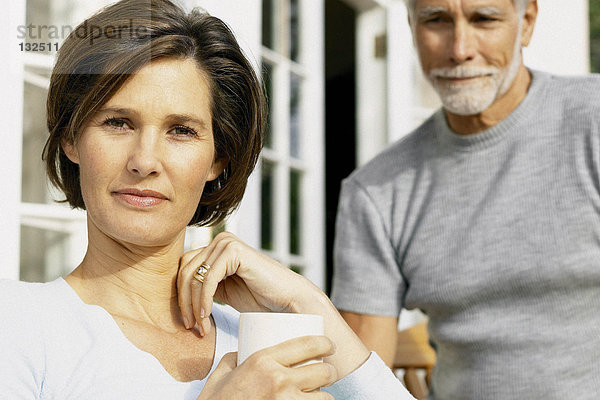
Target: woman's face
x: 145, y: 156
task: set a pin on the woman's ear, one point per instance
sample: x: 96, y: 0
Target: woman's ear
x: 217, y: 168
x: 70, y: 150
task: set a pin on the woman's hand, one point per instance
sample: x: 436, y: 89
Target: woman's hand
x: 269, y: 374
x: 248, y: 280
x: 240, y: 276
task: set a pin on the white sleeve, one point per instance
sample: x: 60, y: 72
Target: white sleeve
x: 21, y: 344
x: 371, y: 381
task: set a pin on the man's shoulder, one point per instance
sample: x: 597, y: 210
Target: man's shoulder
x: 575, y: 100
x: 569, y: 80
x: 400, y: 157
x: 577, y: 92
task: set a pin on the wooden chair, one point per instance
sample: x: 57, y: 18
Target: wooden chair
x: 413, y: 353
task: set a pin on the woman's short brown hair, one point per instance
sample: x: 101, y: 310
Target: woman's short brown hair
x: 104, y: 51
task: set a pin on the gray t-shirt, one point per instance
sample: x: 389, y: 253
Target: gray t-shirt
x: 496, y: 237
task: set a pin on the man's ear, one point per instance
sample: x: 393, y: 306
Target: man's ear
x: 529, y: 19
x: 218, y: 166
x: 70, y: 150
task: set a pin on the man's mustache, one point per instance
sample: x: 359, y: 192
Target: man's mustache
x: 462, y: 72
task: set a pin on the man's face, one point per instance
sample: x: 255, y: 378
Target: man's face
x: 470, y: 50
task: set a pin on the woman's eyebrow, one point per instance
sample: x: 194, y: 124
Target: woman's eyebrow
x: 186, y: 118
x: 118, y: 110
x: 176, y: 118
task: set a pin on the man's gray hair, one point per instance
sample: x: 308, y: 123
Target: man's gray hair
x: 521, y: 5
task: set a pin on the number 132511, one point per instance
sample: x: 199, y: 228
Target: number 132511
x: 38, y: 46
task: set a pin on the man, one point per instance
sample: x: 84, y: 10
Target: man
x: 486, y: 217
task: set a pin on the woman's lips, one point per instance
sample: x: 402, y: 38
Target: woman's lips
x: 140, y: 198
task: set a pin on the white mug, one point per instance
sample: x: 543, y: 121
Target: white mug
x: 260, y: 330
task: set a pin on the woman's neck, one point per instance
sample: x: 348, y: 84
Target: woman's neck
x: 130, y: 281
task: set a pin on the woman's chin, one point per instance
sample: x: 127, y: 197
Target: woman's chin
x: 141, y: 233
x: 147, y: 241
x: 149, y: 236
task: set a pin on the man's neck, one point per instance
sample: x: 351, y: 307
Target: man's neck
x: 498, y: 111
x: 129, y: 281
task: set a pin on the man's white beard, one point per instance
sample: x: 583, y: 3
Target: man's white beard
x: 473, y: 98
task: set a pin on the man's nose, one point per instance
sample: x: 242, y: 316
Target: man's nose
x: 144, y: 154
x: 463, y: 43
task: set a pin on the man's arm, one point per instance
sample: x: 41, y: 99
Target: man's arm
x: 377, y: 332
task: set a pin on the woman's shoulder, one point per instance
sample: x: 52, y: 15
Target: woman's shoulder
x: 22, y: 344
x: 34, y: 307
x: 24, y: 296
x: 31, y: 297
x: 11, y: 287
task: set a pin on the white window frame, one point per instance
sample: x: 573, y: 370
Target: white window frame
x: 310, y: 68
x: 11, y: 83
x: 45, y: 216
x: 14, y: 212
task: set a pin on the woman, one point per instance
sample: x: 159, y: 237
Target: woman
x: 154, y: 126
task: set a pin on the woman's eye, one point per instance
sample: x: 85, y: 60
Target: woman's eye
x: 183, y: 131
x: 117, y: 123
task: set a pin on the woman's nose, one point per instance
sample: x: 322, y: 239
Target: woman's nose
x: 145, y: 154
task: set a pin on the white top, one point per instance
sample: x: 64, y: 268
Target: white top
x: 54, y: 346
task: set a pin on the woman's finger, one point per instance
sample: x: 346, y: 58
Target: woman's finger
x: 189, y: 288
x: 314, y: 376
x: 303, y: 381
x: 204, y: 293
x: 300, y: 349
x: 196, y: 289
x: 184, y: 286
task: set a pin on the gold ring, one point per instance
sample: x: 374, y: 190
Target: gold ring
x: 201, y: 272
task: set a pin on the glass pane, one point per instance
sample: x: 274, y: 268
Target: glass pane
x: 50, y: 21
x: 267, y: 205
x: 37, y: 16
x: 42, y: 254
x: 297, y: 269
x: 295, y: 117
x: 269, y: 17
x: 294, y: 30
x: 295, y: 212
x: 216, y: 229
x: 594, y: 11
x: 267, y: 77
x: 34, y: 183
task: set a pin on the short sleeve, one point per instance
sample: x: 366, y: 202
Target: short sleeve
x: 367, y: 278
x: 371, y: 381
x: 21, y: 346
